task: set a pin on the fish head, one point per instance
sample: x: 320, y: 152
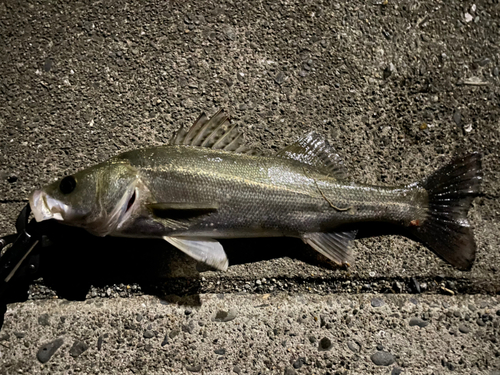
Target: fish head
x: 98, y: 199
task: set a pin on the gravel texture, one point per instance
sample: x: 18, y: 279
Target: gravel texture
x: 398, y: 89
x: 269, y: 334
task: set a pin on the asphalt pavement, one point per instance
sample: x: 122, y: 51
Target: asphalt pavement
x: 397, y: 88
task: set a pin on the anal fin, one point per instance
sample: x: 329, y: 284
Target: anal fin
x: 206, y: 250
x: 336, y: 246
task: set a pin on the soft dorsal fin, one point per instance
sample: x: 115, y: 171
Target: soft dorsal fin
x: 216, y: 133
x: 314, y: 150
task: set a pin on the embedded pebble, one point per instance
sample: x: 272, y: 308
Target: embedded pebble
x: 382, y: 358
x: 148, y: 334
x: 47, y: 65
x: 220, y: 351
x: 188, y: 327
x: 280, y: 77
x: 353, y: 346
x: 484, y: 61
x: 388, y: 71
x: 165, y: 340
x: 463, y: 328
x: 43, y: 320
x: 100, y: 339
x: 418, y: 322
x: 377, y: 302
x: 78, y: 348
x: 173, y: 333
x: 196, y: 368
x: 298, y: 363
x: 224, y: 316
x: 47, y: 350
x: 457, y: 118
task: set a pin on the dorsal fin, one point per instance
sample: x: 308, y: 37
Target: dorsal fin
x: 216, y: 133
x: 314, y: 150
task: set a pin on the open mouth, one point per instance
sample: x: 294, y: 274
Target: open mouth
x: 44, y: 207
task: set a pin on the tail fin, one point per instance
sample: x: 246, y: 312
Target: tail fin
x: 446, y: 230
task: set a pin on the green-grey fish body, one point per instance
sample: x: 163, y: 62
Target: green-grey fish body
x: 255, y: 196
x: 204, y: 186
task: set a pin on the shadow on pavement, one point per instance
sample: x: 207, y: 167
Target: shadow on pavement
x: 72, y: 260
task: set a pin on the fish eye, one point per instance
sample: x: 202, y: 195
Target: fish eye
x: 67, y: 185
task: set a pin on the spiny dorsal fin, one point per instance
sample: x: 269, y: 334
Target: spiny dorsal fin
x: 216, y: 133
x: 315, y: 151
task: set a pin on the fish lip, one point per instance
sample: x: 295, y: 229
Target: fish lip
x: 45, y: 208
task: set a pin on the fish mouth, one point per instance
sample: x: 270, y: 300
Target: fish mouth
x: 45, y: 208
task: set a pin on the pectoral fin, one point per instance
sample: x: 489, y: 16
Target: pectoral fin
x: 336, y: 246
x: 206, y: 250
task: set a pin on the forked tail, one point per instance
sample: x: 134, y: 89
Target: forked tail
x: 446, y: 229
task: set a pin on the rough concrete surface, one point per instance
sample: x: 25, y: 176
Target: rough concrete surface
x: 256, y: 334
x: 397, y: 87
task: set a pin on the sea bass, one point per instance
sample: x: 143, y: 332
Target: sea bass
x: 206, y: 185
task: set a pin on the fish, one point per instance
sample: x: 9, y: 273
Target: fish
x: 206, y: 185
